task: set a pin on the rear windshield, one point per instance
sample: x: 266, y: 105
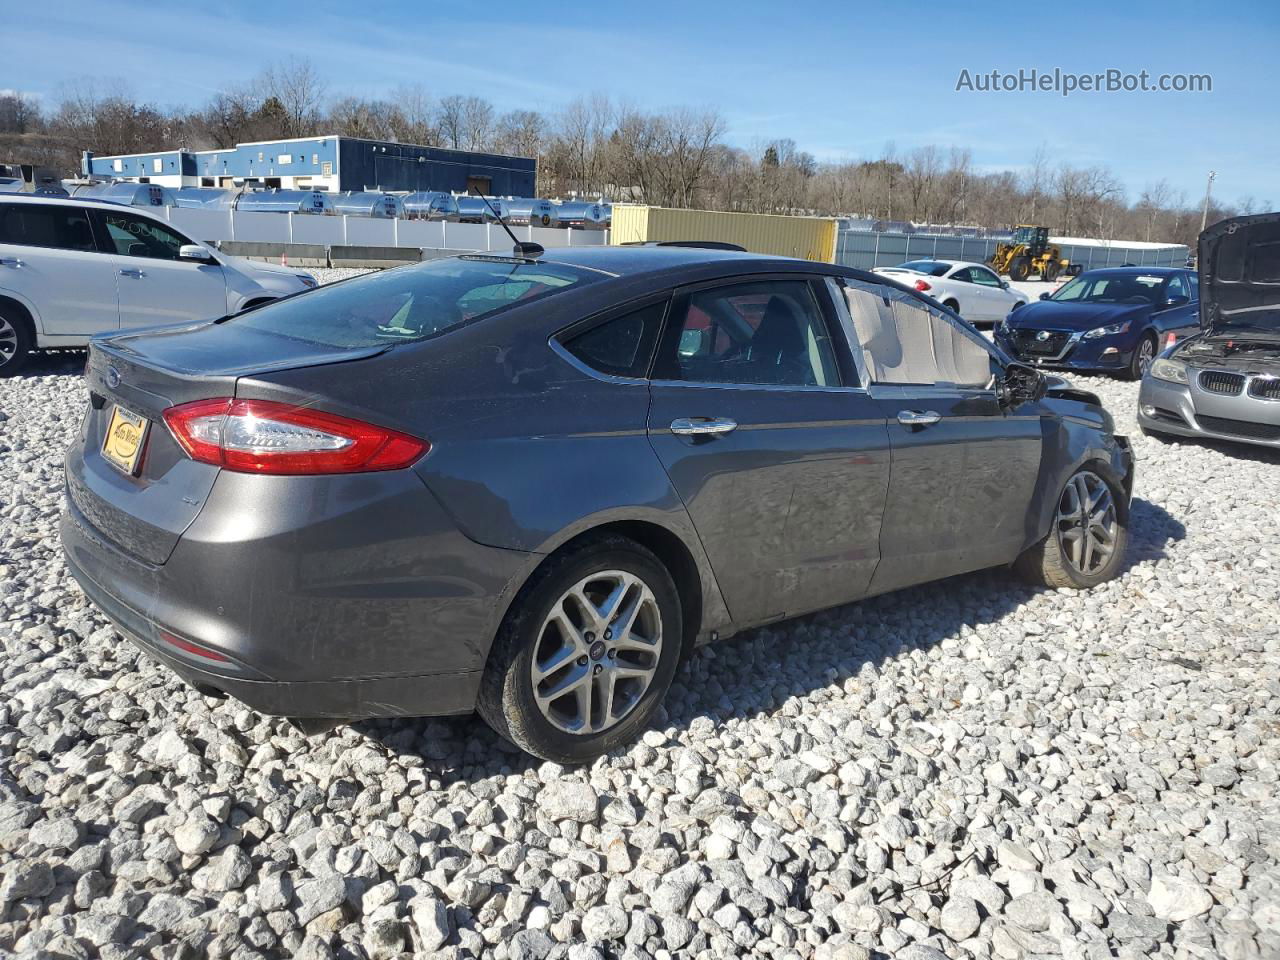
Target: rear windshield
x: 412, y: 303
x: 931, y: 267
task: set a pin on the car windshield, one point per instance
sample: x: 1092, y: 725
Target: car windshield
x: 412, y: 303
x: 932, y: 267
x: 1111, y: 288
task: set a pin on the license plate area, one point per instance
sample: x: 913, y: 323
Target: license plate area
x: 125, y: 439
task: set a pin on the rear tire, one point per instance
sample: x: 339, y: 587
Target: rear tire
x: 1019, y: 267
x: 951, y: 305
x: 554, y: 638
x: 1051, y: 271
x: 1067, y: 557
x: 17, y: 340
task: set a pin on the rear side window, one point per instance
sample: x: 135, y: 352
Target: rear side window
x: 764, y: 332
x: 622, y: 346
x: 412, y: 303
x: 57, y: 225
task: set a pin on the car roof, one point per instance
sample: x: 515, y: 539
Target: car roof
x: 83, y: 201
x: 630, y: 260
x: 1145, y: 271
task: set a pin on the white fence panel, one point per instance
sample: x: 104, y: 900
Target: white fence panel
x: 211, y: 226
x: 262, y: 227
x: 368, y: 232
x: 313, y: 229
x: 420, y: 233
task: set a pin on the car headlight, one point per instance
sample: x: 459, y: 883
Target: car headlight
x: 1110, y: 331
x: 307, y: 280
x: 1174, y: 371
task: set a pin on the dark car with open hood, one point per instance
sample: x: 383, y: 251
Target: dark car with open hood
x: 1112, y: 320
x: 530, y: 484
x: 1224, y: 382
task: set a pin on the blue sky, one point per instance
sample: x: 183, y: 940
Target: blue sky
x: 841, y: 79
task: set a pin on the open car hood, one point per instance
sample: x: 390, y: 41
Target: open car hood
x: 1239, y: 263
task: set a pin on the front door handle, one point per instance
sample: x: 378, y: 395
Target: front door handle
x: 10, y: 262
x: 700, y: 426
x: 132, y: 273
x: 918, y: 418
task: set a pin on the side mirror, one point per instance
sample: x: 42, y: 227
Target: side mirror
x: 1004, y: 284
x: 193, y: 251
x: 1177, y: 302
x: 1022, y: 384
x: 1044, y: 296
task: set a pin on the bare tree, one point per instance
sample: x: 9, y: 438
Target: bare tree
x: 520, y: 133
x: 451, y: 121
x: 477, y: 123
x: 300, y: 90
x: 18, y: 113
x: 414, y: 116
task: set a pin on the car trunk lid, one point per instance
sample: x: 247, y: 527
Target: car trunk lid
x: 132, y: 380
x: 1239, y: 263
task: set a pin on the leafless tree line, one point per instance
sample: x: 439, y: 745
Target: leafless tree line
x: 595, y: 147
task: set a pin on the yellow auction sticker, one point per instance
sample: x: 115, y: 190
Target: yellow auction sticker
x: 125, y: 439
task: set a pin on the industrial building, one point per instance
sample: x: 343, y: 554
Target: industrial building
x: 325, y: 163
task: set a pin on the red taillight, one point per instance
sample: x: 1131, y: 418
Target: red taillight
x: 186, y: 646
x: 262, y: 436
x: 922, y: 286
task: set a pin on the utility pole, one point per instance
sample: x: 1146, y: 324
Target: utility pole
x: 1204, y: 217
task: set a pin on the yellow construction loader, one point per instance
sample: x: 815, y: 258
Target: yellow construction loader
x: 1031, y: 252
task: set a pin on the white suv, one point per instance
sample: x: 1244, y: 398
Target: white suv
x: 71, y: 268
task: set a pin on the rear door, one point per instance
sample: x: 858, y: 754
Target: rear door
x: 155, y: 286
x: 48, y: 258
x: 964, y: 467
x: 777, y: 451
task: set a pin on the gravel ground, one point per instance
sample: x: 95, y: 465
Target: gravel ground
x: 975, y: 768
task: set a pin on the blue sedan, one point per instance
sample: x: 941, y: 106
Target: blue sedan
x: 1112, y: 320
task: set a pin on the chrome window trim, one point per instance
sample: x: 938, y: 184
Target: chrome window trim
x: 771, y: 387
x: 563, y: 353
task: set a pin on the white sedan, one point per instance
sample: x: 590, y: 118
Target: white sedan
x: 970, y: 289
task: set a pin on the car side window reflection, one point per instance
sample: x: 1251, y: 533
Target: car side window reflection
x: 904, y: 343
x: 763, y: 332
x: 132, y: 236
x: 985, y: 277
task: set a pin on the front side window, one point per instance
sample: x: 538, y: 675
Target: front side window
x: 621, y: 346
x: 904, y: 343
x: 58, y: 225
x: 412, y: 303
x: 984, y: 277
x: 132, y: 236
x: 761, y: 332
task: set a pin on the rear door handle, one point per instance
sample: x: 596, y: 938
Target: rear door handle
x: 918, y: 418
x: 10, y: 262
x: 132, y: 273
x: 699, y: 426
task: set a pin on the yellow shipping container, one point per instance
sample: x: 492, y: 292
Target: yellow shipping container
x: 809, y: 238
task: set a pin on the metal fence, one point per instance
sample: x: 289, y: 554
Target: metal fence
x: 868, y: 250
x: 242, y: 226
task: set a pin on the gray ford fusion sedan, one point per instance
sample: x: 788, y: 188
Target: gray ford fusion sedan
x: 528, y: 485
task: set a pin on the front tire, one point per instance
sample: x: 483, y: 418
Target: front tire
x: 16, y: 341
x: 586, y: 653
x: 1086, y: 544
x: 1144, y: 354
x: 1019, y: 268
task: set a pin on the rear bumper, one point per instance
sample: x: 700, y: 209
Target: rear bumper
x: 1175, y: 410
x: 335, y: 597
x: 410, y: 696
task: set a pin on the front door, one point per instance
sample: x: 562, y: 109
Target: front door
x: 49, y: 259
x: 155, y: 285
x: 964, y: 466
x: 779, y: 455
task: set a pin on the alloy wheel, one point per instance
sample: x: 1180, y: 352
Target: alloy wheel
x: 8, y: 341
x: 597, y: 652
x: 1086, y: 523
x: 1146, y: 356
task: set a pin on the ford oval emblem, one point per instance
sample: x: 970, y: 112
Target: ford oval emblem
x: 113, y: 377
x: 1042, y: 335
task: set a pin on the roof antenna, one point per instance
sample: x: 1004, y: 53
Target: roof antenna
x: 522, y: 249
